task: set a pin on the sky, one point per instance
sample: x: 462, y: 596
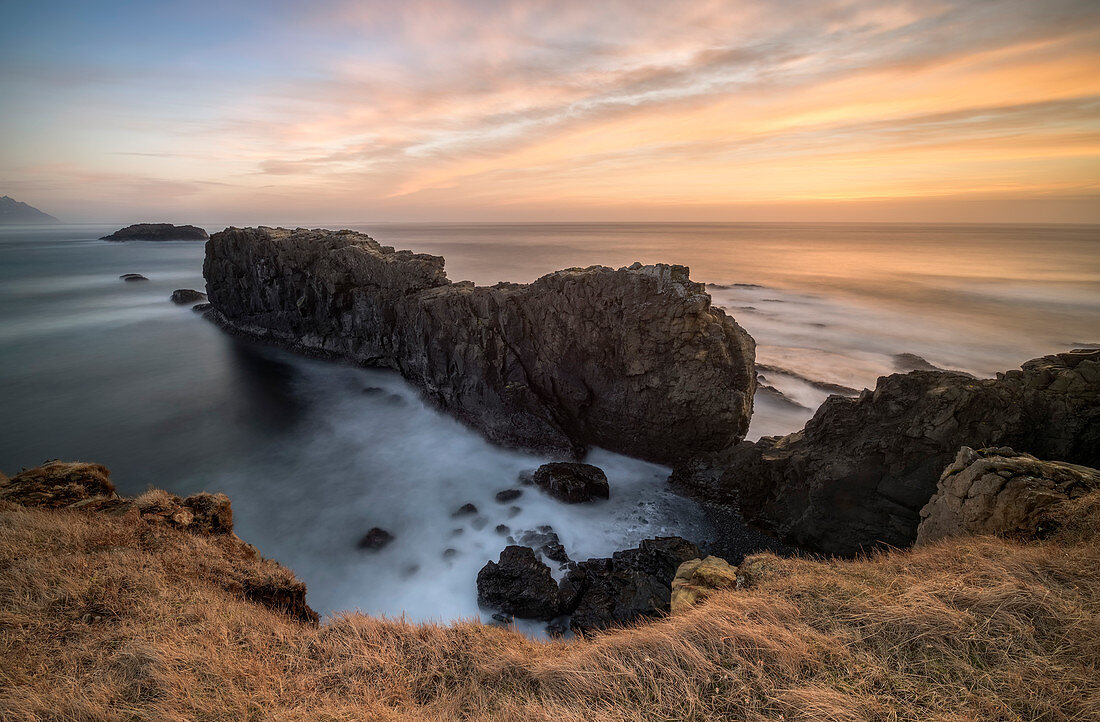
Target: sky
x: 304, y: 113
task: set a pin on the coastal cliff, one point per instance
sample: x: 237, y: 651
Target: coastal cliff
x: 858, y: 474
x: 634, y: 360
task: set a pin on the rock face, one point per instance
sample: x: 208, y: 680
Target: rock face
x: 634, y: 360
x: 860, y: 471
x: 572, y: 483
x: 519, y: 584
x: 1000, y: 491
x: 375, y: 539
x: 157, y: 232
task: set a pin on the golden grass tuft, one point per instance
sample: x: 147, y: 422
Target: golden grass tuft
x: 113, y: 617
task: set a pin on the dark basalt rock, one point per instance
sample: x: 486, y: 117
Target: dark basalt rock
x: 507, y: 495
x: 375, y: 539
x: 572, y: 483
x: 631, y: 585
x: 599, y: 593
x: 634, y: 360
x: 858, y: 474
x: 157, y: 232
x: 187, y: 295
x: 201, y: 307
x: 133, y: 277
x: 544, y: 541
x: 519, y: 585
x: 464, y: 510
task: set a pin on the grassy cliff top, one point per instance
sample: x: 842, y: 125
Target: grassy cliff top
x: 133, y: 616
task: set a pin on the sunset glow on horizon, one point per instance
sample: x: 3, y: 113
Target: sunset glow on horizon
x: 462, y: 110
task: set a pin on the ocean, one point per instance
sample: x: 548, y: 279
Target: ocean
x: 313, y: 454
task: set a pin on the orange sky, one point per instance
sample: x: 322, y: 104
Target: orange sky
x: 510, y: 110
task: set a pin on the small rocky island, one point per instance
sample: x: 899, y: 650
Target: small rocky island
x: 157, y: 232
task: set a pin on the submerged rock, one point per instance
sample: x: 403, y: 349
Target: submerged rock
x: 544, y: 541
x: 519, y: 585
x: 634, y: 360
x: 860, y: 471
x: 507, y: 495
x: 572, y: 483
x: 375, y: 539
x: 187, y: 295
x: 133, y: 277
x: 1000, y: 491
x: 464, y: 510
x: 157, y: 232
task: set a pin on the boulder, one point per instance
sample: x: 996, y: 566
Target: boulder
x: 1000, y: 491
x: 157, y: 232
x: 572, y: 483
x: 858, y: 474
x: 633, y: 584
x: 697, y: 578
x: 187, y: 295
x: 519, y: 585
x: 634, y: 360
x: 133, y: 277
x: 507, y: 495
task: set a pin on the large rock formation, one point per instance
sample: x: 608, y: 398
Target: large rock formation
x: 157, y: 232
x: 858, y: 474
x: 635, y: 360
x: 1000, y: 491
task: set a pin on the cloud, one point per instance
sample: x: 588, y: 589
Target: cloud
x: 364, y: 103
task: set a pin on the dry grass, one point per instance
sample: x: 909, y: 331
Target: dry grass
x: 115, y: 618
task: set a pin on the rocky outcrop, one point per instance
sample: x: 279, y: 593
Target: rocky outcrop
x: 696, y: 579
x: 82, y: 487
x: 572, y: 483
x: 1000, y: 491
x: 519, y: 585
x: 635, y: 360
x: 632, y: 584
x: 157, y: 232
x: 860, y: 471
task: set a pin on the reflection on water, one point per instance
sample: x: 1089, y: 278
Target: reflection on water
x: 314, y: 454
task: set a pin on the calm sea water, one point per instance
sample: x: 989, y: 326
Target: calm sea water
x: 97, y: 369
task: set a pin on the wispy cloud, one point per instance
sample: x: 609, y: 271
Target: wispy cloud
x: 417, y: 109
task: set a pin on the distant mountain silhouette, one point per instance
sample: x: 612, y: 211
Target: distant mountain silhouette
x: 13, y: 211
